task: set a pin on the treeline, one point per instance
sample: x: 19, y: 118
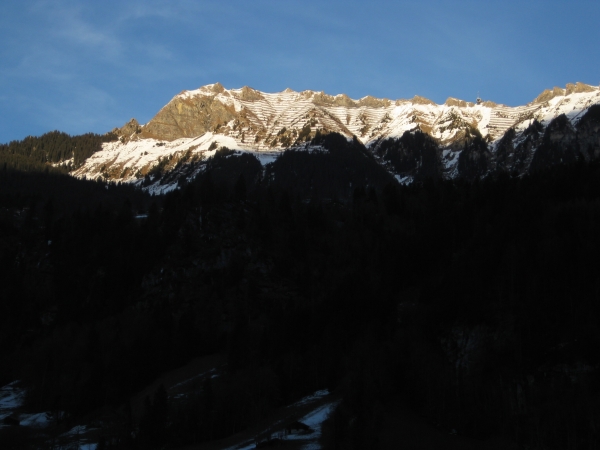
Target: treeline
x: 44, y: 152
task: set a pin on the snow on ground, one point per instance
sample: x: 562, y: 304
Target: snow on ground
x: 142, y: 155
x: 311, y: 398
x: 160, y: 189
x: 11, y: 396
x: 266, y: 157
x: 572, y: 105
x: 314, y: 420
x: 138, y: 154
x: 78, y: 437
x: 37, y: 420
x: 403, y: 180
x: 76, y: 430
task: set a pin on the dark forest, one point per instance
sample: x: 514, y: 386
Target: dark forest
x: 472, y: 302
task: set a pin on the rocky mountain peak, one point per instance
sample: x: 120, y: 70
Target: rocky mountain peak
x: 418, y: 100
x: 571, y: 88
x: 344, y: 100
x: 128, y: 131
x: 217, y: 87
x: 579, y: 87
x: 374, y: 102
x: 249, y: 94
x: 451, y: 101
x: 549, y: 94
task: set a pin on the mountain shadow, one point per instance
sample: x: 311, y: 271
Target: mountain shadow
x: 331, y: 167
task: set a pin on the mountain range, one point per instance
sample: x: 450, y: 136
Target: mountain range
x: 416, y: 274
x: 467, y: 139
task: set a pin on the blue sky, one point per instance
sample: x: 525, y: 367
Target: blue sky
x: 80, y: 66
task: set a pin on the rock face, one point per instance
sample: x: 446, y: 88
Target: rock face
x: 549, y: 94
x: 450, y: 101
x: 189, y: 116
x: 470, y: 140
x: 262, y: 121
x: 128, y: 131
x: 579, y: 87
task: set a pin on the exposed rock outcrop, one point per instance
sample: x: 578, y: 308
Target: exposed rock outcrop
x: 579, y: 87
x: 418, y: 100
x: 549, y: 94
x: 189, y: 117
x: 128, y: 131
x: 451, y: 101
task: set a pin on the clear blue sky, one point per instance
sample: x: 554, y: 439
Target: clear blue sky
x: 80, y: 66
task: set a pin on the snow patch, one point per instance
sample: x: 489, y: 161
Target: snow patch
x: 314, y: 420
x: 311, y: 398
x: 11, y: 396
x: 404, y: 180
x: 266, y: 157
x: 76, y: 430
x: 38, y: 420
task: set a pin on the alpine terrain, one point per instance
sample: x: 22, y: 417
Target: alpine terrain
x: 297, y: 270
x: 463, y: 139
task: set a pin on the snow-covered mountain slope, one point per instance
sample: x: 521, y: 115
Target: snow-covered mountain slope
x: 194, y: 123
x: 258, y: 121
